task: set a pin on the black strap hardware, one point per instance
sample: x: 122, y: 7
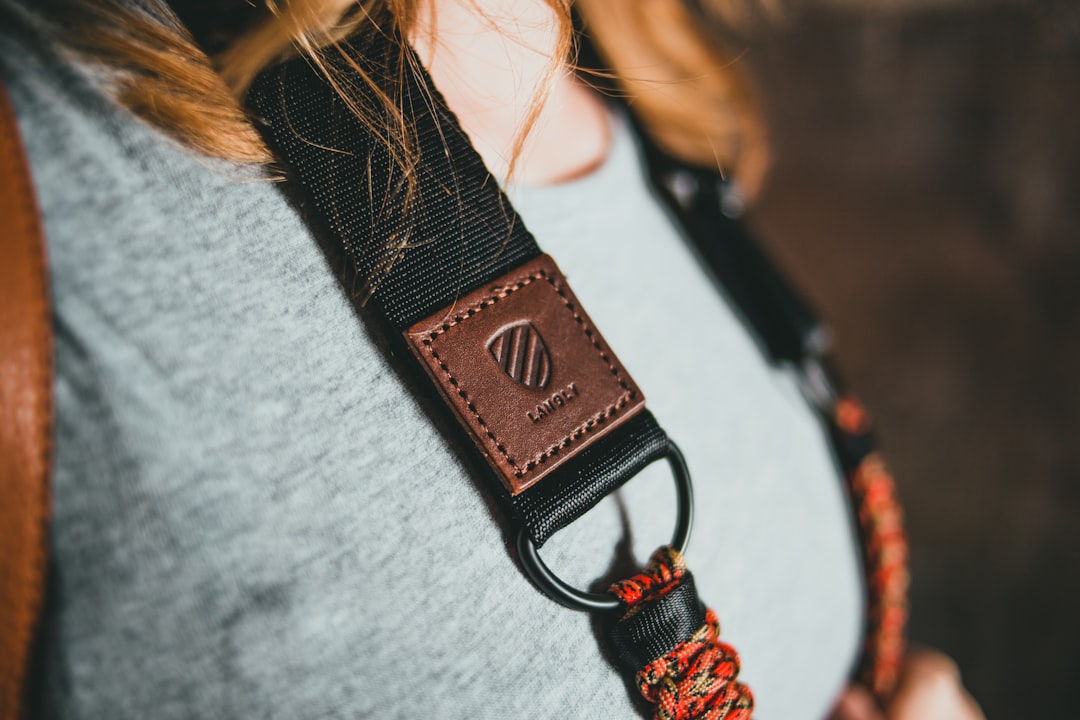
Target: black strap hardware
x: 575, y: 599
x: 459, y: 236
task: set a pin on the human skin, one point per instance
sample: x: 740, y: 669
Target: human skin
x: 491, y: 60
x: 930, y: 689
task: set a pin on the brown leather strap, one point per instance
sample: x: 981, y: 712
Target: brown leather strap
x: 26, y: 413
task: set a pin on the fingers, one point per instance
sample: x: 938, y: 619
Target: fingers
x: 856, y: 704
x: 930, y: 689
x: 928, y: 663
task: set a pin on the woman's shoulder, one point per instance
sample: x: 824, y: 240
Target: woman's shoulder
x: 90, y: 157
x: 57, y: 99
x: 115, y: 192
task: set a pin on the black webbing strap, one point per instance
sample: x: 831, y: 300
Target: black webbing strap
x: 600, y: 468
x: 459, y: 231
x: 657, y: 627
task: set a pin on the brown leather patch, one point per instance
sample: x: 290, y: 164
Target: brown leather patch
x: 526, y: 372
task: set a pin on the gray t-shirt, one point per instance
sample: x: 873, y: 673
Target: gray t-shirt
x: 255, y: 516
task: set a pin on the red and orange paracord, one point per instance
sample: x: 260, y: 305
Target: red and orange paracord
x: 698, y: 678
x: 885, y: 555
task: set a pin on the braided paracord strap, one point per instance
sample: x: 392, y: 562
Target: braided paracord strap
x: 696, y: 679
x: 666, y: 569
x: 885, y: 555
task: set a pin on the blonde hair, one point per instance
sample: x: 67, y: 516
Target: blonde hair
x: 689, y: 91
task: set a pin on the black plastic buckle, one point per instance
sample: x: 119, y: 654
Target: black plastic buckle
x: 575, y: 599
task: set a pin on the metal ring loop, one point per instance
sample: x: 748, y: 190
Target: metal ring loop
x: 575, y: 599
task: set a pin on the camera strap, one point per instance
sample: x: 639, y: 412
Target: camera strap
x: 467, y: 300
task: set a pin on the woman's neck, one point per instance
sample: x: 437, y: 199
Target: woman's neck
x: 491, y: 65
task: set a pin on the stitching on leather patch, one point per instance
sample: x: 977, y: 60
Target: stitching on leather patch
x: 579, y: 431
x: 552, y: 450
x: 519, y: 472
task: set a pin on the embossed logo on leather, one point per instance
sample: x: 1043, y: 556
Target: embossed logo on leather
x: 526, y: 372
x: 520, y: 352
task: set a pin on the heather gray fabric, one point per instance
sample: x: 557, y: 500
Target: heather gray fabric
x: 254, y: 518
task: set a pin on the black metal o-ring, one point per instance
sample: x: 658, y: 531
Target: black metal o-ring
x: 575, y: 599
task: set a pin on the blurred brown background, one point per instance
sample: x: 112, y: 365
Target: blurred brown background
x: 924, y: 196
